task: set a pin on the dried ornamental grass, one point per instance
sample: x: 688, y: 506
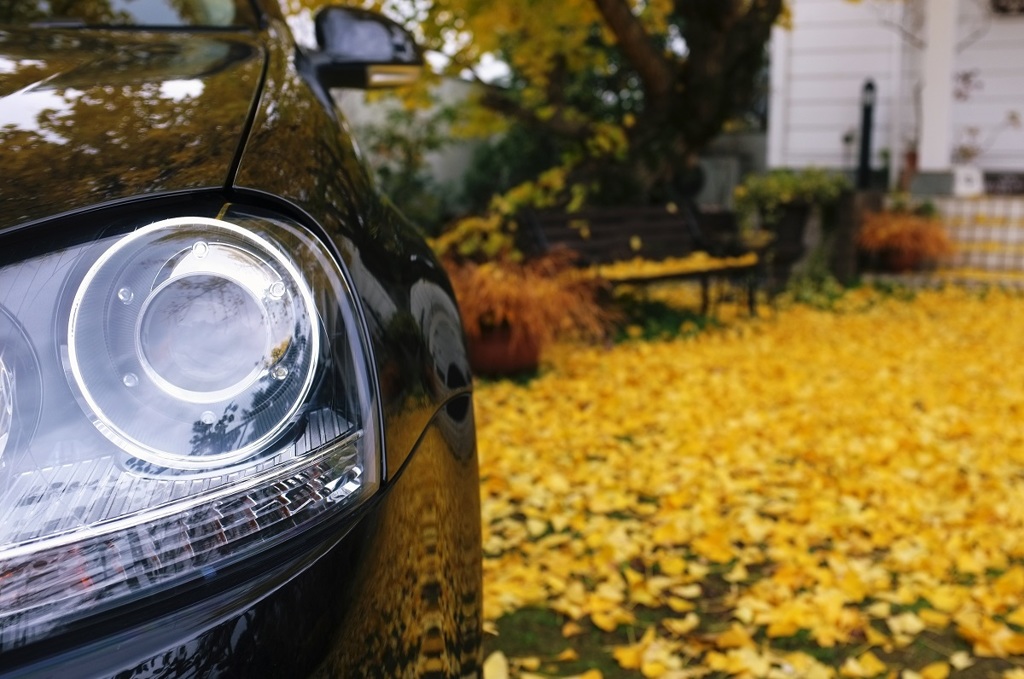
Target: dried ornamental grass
x: 912, y: 238
x: 536, y: 301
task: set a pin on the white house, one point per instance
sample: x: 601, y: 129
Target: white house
x: 949, y: 77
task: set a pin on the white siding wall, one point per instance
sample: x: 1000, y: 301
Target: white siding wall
x: 998, y: 59
x: 819, y: 67
x: 818, y: 70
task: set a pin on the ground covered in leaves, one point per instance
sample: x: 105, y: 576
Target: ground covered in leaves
x: 816, y: 493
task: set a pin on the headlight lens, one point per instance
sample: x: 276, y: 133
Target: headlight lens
x: 6, y: 403
x: 192, y: 342
x: 172, y: 400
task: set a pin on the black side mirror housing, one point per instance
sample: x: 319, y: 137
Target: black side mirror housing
x: 363, y: 49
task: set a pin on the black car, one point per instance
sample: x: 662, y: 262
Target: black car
x: 236, y: 426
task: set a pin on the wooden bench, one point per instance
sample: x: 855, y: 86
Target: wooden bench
x: 603, y: 236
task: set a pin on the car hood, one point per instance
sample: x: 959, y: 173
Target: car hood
x: 88, y: 117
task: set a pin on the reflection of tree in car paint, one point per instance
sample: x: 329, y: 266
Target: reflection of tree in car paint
x: 102, y: 12
x: 118, y: 124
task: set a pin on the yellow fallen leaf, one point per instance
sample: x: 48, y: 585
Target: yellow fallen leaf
x: 934, y: 619
x: 935, y: 670
x: 737, y: 574
x: 529, y: 663
x: 968, y: 563
x: 571, y: 629
x: 880, y: 609
x: 1010, y: 583
x: 783, y: 628
x: 875, y: 638
x: 536, y: 527
x: 739, y: 661
x: 589, y: 674
x: 1016, y: 618
x: 734, y: 637
x: 496, y: 666
x: 681, y: 627
x: 688, y: 591
x: 652, y: 669
x: 803, y: 666
x: 568, y: 655
x: 961, y: 660
x: 905, y: 623
x: 946, y: 599
x: 609, y: 621
x: 990, y: 639
x: 680, y: 605
x: 864, y: 667
x: 630, y: 657
x: 672, y: 565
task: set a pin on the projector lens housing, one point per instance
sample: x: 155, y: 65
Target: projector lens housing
x: 179, y: 397
x: 192, y: 342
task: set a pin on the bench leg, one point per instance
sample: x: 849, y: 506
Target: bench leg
x: 705, y: 295
x: 752, y: 295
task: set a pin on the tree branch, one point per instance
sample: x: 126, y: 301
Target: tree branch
x: 654, y: 69
x: 726, y: 43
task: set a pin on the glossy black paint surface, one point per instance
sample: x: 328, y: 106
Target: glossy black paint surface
x: 393, y: 590
x: 90, y: 116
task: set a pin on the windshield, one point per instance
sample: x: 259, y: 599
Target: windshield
x: 121, y: 13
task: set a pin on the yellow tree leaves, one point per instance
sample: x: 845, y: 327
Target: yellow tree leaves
x: 845, y: 482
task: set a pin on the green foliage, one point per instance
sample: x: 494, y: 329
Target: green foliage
x: 479, y: 240
x: 816, y: 289
x: 498, y: 166
x: 626, y: 95
x: 895, y: 290
x: 765, y: 194
x: 649, y: 319
x: 904, y: 203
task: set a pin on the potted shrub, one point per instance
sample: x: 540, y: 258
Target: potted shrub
x: 904, y: 237
x: 512, y: 307
x: 782, y: 201
x: 776, y: 194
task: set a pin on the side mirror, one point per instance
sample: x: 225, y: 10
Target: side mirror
x: 364, y: 50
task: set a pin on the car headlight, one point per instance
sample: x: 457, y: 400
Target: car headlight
x: 174, y: 398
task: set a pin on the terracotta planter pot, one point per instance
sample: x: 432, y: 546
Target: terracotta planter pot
x: 496, y: 354
x: 901, y: 261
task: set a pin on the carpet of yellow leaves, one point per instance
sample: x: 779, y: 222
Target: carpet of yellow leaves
x: 813, y: 480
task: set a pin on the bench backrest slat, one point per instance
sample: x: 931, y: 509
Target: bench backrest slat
x: 614, y: 234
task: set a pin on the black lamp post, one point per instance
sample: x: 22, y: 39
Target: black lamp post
x: 867, y: 122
